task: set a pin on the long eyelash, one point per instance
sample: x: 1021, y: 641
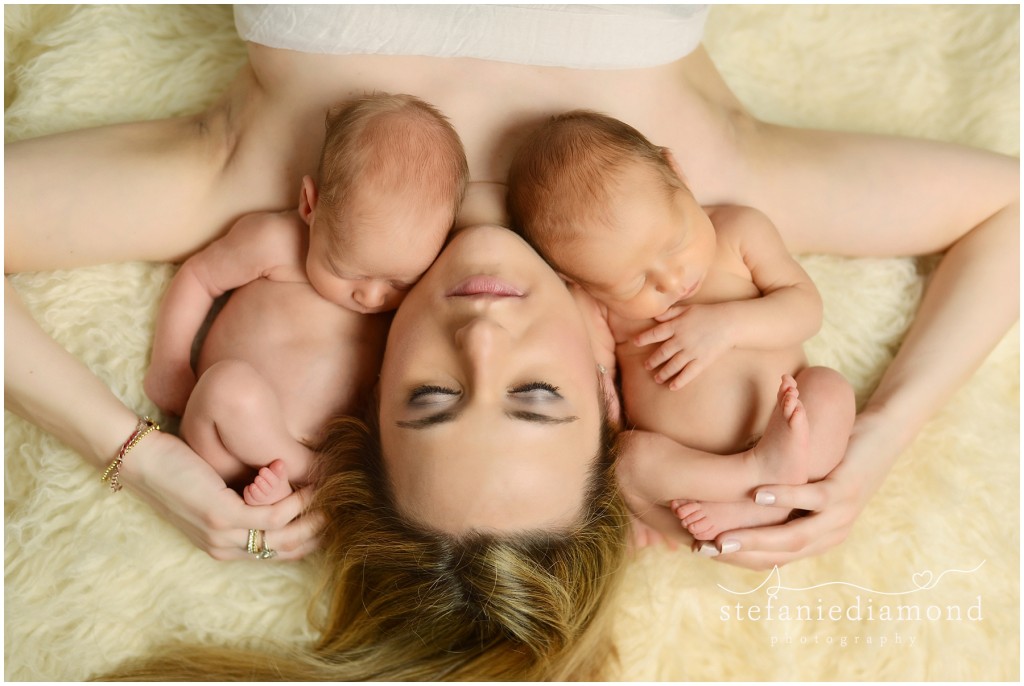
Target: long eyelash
x: 421, y: 391
x: 536, y: 386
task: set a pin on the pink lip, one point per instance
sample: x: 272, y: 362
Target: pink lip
x: 485, y: 286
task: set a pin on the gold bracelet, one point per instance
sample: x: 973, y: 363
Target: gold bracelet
x: 113, y: 472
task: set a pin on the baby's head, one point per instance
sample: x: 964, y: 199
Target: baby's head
x: 391, y: 177
x: 610, y: 211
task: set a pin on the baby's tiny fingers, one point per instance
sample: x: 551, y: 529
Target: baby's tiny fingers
x: 660, y: 356
x: 680, y: 377
x: 656, y: 334
x: 686, y: 375
x: 671, y: 313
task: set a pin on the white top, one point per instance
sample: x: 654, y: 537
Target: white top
x: 577, y: 36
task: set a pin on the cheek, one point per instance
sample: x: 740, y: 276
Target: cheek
x: 412, y: 336
x: 392, y: 370
x: 336, y: 291
x: 646, y: 305
x: 570, y: 347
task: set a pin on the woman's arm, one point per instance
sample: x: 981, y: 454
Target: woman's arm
x: 914, y: 197
x: 111, y: 194
x: 154, y: 190
x: 971, y: 302
x: 47, y: 386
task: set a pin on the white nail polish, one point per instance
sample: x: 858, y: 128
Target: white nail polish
x: 707, y: 549
x: 730, y: 545
x: 764, y: 498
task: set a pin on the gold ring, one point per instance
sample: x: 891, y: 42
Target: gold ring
x: 257, y: 545
x: 253, y: 546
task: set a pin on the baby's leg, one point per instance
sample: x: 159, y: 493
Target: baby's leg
x: 653, y: 469
x: 234, y: 421
x: 829, y: 403
x: 831, y: 409
x: 784, y: 444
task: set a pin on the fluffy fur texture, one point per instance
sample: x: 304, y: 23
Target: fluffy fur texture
x: 92, y: 579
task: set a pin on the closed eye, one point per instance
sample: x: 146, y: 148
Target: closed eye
x: 432, y: 395
x: 636, y: 287
x: 401, y: 285
x: 535, y: 390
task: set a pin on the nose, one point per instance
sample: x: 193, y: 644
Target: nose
x: 484, y: 344
x: 370, y: 294
x: 669, y: 279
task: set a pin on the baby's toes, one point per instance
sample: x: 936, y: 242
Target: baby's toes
x: 277, y: 468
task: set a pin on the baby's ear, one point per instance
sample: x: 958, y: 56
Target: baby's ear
x: 671, y: 160
x: 307, y: 199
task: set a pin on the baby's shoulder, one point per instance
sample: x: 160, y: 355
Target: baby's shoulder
x: 285, y: 223
x: 273, y: 232
x: 269, y: 242
x: 738, y: 219
x: 741, y: 227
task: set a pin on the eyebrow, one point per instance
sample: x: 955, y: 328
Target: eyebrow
x: 452, y: 415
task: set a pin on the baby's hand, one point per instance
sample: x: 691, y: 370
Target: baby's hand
x: 694, y: 336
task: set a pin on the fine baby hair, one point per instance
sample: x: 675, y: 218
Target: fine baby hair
x: 388, y: 144
x: 563, y: 175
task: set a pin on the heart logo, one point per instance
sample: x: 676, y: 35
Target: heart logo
x: 923, y: 579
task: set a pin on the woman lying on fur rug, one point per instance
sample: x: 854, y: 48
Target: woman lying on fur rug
x: 192, y: 177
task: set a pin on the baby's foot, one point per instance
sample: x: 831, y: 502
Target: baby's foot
x: 782, y: 454
x: 705, y: 521
x: 269, y: 486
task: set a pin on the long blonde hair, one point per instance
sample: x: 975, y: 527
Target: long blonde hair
x: 407, y: 603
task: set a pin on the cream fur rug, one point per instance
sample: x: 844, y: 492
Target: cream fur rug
x: 92, y: 579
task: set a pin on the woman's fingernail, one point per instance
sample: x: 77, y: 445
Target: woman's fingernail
x: 730, y: 545
x: 764, y: 498
x: 707, y: 549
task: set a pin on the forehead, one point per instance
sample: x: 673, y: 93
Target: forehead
x: 373, y: 252
x: 644, y: 225
x: 403, y: 247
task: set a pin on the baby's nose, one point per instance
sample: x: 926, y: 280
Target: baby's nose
x: 370, y: 294
x: 669, y: 281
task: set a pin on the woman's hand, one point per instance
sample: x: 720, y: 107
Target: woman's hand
x: 47, y: 386
x: 187, y: 492
x: 833, y: 504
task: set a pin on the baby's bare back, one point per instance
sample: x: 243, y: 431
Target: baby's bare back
x: 317, y: 356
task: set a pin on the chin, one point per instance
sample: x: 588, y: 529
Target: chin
x: 639, y: 315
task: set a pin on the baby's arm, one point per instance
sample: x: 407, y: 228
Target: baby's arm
x: 788, y: 311
x: 258, y: 245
